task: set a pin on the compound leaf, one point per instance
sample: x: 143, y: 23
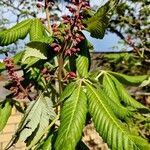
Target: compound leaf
x: 109, y: 127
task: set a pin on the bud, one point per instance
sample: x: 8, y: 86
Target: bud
x: 71, y: 75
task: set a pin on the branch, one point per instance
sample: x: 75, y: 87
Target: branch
x: 118, y: 33
x: 47, y: 6
x: 16, y: 8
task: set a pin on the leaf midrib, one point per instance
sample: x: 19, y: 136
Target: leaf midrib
x: 110, y: 114
x: 111, y: 85
x: 71, y: 120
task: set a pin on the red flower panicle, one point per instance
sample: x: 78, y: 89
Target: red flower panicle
x: 73, y: 26
x: 14, y: 78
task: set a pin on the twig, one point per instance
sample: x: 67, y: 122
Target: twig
x: 47, y: 6
x: 16, y: 8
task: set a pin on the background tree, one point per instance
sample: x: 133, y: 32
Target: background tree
x: 56, y: 64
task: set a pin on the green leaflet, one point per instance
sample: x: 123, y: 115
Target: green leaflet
x: 129, y: 80
x: 109, y: 127
x: 145, y: 82
x: 124, y: 96
x: 82, y: 62
x: 47, y: 145
x: 33, y: 52
x: 19, y: 31
x: 68, y: 91
x: 37, y: 30
x: 119, y: 111
x: 36, y: 118
x: 17, y: 57
x: 5, y: 112
x: 109, y: 88
x: 72, y: 120
x: 30, y: 61
x: 36, y: 51
x: 97, y: 24
x: 142, y: 143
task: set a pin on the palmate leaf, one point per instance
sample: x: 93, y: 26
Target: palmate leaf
x: 124, y: 96
x: 39, y: 33
x: 19, y: 31
x: 82, y: 62
x: 109, y: 127
x: 72, y: 120
x: 129, y: 80
x: 33, y: 52
x: 5, y: 112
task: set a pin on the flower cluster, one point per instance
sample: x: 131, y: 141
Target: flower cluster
x: 45, y: 73
x: 73, y: 25
x: 14, y: 78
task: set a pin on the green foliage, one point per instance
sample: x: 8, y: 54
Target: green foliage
x: 5, y: 112
x: 2, y: 67
x: 36, y: 51
x: 19, y: 31
x: 68, y: 91
x: 124, y: 96
x: 98, y: 22
x: 110, y: 89
x: 82, y: 62
x: 34, y: 27
x: 37, y: 30
x: 61, y: 94
x: 129, y: 80
x: 112, y: 131
x: 72, y: 120
x: 35, y: 120
x: 47, y: 145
